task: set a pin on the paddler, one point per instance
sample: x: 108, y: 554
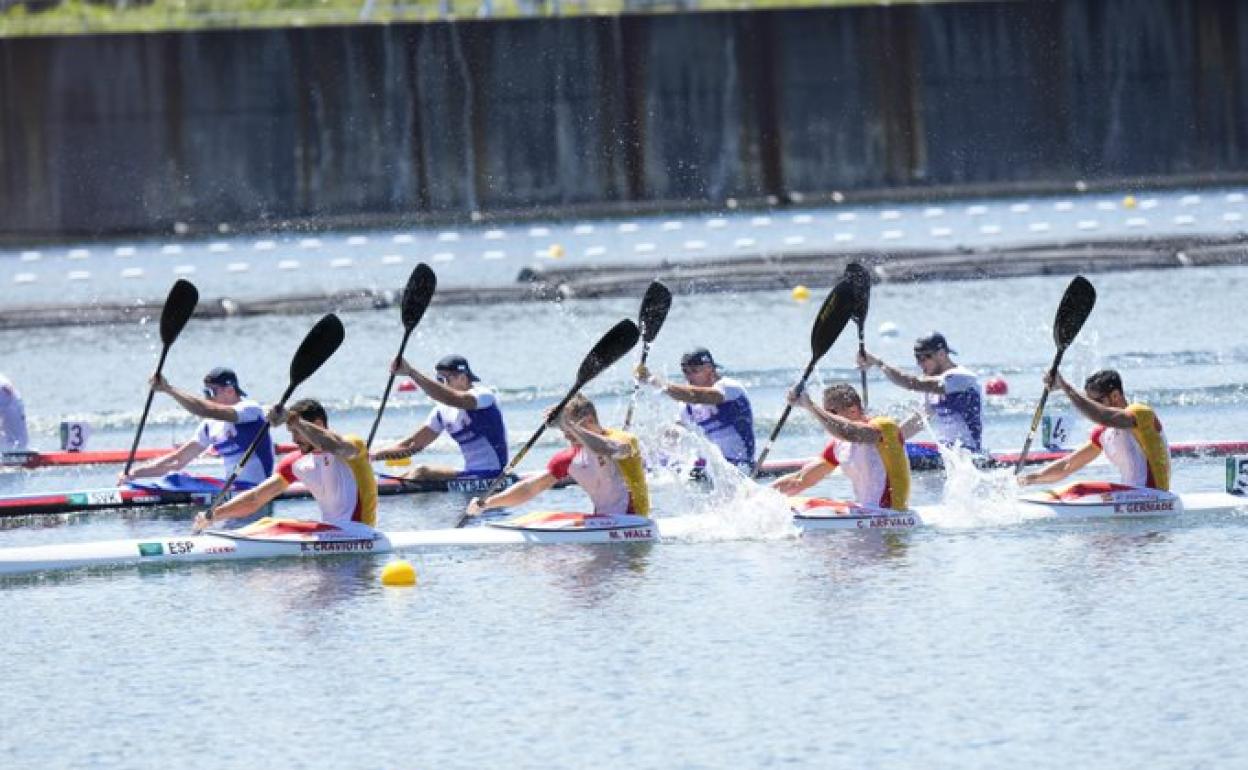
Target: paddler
x: 606, y: 463
x: 1130, y: 434
x: 231, y: 421
x: 13, y: 437
x: 716, y: 405
x: 869, y: 449
x: 333, y: 467
x: 952, y: 398
x: 465, y: 409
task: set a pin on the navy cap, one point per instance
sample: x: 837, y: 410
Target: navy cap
x: 698, y: 357
x: 456, y: 363
x: 932, y: 343
x: 223, y: 376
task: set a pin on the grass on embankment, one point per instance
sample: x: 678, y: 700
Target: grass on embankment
x: 76, y: 17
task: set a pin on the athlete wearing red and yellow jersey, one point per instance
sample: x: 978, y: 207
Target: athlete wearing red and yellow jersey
x: 871, y: 451
x: 1130, y: 435
x: 334, y: 468
x: 605, y: 463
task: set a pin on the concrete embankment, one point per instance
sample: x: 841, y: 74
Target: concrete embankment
x: 755, y: 273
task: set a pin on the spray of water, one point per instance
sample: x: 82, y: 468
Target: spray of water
x: 719, y: 502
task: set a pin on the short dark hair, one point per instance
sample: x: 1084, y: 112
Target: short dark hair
x: 580, y: 407
x: 1104, y: 382
x: 309, y: 409
x: 842, y: 394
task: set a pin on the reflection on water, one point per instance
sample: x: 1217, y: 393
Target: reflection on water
x: 589, y: 576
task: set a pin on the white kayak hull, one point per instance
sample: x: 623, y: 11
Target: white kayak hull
x: 544, y: 528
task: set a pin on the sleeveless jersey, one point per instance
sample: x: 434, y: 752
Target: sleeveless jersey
x: 957, y: 414
x: 615, y: 486
x: 231, y: 439
x: 879, y: 472
x: 1141, y: 454
x: 345, y: 490
x: 480, y: 432
x: 729, y: 424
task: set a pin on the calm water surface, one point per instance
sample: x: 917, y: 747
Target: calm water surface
x: 982, y: 642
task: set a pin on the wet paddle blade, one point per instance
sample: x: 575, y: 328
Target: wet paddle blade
x: 620, y: 339
x: 837, y: 309
x: 316, y: 348
x: 416, y: 296
x: 1073, y: 311
x: 860, y: 279
x: 654, y: 307
x: 179, y: 306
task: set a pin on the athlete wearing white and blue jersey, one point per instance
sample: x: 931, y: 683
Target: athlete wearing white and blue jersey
x: 952, y: 399
x: 468, y: 412
x: 13, y: 437
x: 231, y: 422
x: 718, y: 406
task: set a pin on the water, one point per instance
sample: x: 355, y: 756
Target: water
x: 985, y: 641
x: 265, y: 264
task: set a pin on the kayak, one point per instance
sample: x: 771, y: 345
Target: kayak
x: 35, y: 459
x: 273, y: 538
x: 190, y: 490
x: 925, y: 456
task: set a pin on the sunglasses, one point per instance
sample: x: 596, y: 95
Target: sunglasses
x: 923, y: 356
x: 210, y: 391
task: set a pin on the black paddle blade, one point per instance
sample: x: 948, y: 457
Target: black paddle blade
x: 179, y: 306
x: 837, y: 309
x: 860, y: 279
x: 416, y: 295
x: 620, y: 339
x: 1074, y: 309
x: 654, y: 307
x: 316, y: 348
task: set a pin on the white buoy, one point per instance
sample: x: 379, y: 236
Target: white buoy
x: 888, y: 329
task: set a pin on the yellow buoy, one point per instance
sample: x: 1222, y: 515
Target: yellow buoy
x: 801, y: 293
x: 556, y: 251
x: 1128, y: 202
x: 398, y: 573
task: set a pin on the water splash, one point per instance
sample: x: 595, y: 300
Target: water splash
x: 724, y: 504
x: 974, y: 497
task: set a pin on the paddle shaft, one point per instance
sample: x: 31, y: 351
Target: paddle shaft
x: 246, y: 458
x: 386, y: 394
x: 1035, y: 418
x: 632, y: 402
x: 862, y: 349
x: 147, y: 407
x: 784, y: 416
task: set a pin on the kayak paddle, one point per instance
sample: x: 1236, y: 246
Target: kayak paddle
x: 654, y: 307
x: 837, y: 309
x: 861, y: 280
x: 613, y: 346
x: 315, y: 350
x: 1074, y: 309
x: 416, y: 296
x: 179, y: 306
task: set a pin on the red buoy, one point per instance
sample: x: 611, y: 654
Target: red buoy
x: 996, y: 386
x: 406, y: 386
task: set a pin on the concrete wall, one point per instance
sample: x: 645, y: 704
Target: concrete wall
x: 136, y: 132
